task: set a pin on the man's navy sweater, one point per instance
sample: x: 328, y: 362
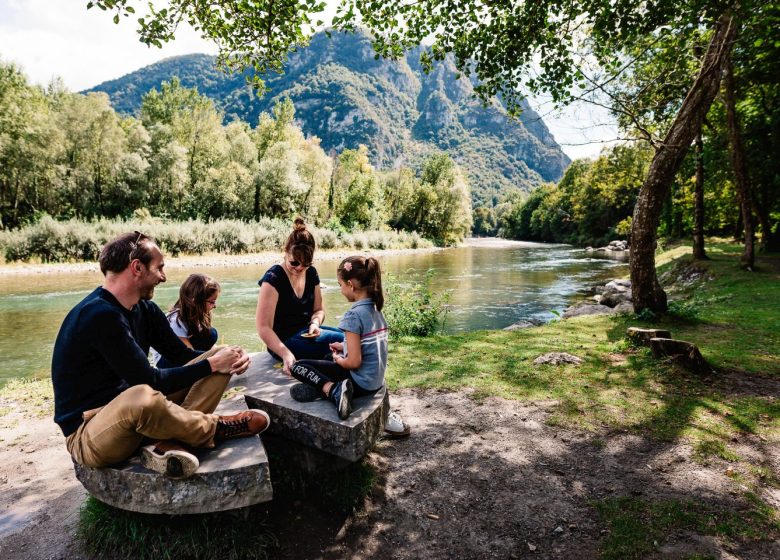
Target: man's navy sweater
x: 102, y: 349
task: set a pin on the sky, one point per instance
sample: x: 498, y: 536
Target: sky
x: 84, y: 48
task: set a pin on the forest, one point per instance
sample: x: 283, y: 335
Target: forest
x: 71, y: 156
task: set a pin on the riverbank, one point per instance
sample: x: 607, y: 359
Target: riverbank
x: 206, y: 260
x: 621, y: 457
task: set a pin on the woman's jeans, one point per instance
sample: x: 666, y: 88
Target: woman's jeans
x: 312, y: 348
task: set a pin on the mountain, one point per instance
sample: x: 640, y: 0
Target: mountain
x: 346, y: 97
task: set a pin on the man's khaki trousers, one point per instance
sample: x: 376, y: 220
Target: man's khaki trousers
x: 114, y: 432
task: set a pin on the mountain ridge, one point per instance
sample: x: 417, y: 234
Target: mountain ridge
x: 346, y: 97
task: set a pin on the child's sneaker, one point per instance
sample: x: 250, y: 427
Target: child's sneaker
x: 302, y: 392
x: 395, y: 427
x: 341, y: 396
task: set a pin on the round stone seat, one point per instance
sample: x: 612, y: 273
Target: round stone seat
x: 234, y: 475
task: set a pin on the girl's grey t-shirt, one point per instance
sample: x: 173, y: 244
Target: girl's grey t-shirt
x: 364, y: 319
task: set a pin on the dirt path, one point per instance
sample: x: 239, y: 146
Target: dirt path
x: 487, y: 479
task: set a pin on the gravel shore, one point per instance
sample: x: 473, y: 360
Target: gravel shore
x: 210, y: 260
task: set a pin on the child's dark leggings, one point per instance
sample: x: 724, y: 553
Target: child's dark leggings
x: 319, y: 372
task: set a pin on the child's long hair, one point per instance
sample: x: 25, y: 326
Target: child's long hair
x: 368, y: 274
x: 194, y: 312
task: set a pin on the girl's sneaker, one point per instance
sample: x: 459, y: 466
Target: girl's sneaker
x: 395, y: 427
x: 341, y: 396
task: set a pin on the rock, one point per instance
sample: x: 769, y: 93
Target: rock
x: 613, y: 299
x: 557, y: 358
x: 617, y: 245
x: 618, y: 285
x: 520, y: 325
x: 625, y: 307
x: 315, y: 424
x: 685, y: 353
x: 231, y: 476
x: 597, y: 298
x: 585, y: 308
x: 641, y: 337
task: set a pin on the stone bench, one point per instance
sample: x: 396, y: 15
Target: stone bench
x: 233, y: 475
x: 315, y: 425
x: 236, y: 473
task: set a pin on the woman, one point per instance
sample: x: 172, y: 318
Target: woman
x: 289, y: 307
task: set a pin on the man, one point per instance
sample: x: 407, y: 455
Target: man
x: 108, y: 398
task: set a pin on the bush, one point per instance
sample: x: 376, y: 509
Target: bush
x: 412, y: 309
x: 74, y: 240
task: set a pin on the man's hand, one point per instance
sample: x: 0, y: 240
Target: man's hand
x: 229, y: 360
x: 242, y: 364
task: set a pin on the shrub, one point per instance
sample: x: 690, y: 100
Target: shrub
x: 412, y: 309
x: 53, y: 241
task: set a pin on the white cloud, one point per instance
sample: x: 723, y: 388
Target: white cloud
x: 84, y: 47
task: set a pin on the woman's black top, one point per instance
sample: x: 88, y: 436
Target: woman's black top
x: 292, y: 313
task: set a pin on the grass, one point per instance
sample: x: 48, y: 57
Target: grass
x: 235, y: 535
x: 32, y: 396
x: 618, y: 386
x: 637, y: 528
x: 244, y: 534
x: 731, y: 315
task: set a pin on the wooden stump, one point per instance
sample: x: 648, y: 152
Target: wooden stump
x: 684, y: 352
x: 641, y: 337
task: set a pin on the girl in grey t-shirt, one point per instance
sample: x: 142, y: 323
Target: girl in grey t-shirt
x: 356, y: 366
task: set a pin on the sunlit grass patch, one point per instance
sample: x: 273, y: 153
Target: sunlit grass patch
x: 707, y: 448
x: 637, y: 528
x: 31, y: 396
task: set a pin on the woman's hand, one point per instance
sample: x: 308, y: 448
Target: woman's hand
x: 314, y: 328
x: 288, y: 359
x: 336, y: 347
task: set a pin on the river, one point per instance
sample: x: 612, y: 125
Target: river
x: 493, y: 283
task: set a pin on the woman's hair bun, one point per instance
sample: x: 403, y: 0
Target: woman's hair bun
x: 299, y: 224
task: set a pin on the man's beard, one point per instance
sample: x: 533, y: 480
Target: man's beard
x: 147, y: 293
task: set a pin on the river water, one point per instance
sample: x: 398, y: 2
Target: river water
x: 493, y: 284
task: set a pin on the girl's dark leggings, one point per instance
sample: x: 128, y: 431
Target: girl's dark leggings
x: 319, y: 372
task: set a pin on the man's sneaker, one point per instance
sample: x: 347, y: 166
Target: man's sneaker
x: 395, y: 427
x: 169, y: 458
x: 244, y: 424
x: 302, y: 392
x: 341, y: 395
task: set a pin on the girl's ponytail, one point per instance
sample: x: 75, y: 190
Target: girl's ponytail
x: 367, y: 272
x: 374, y: 277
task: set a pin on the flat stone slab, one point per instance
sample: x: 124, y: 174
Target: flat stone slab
x: 233, y: 475
x: 315, y: 424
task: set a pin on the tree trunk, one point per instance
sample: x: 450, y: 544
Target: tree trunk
x: 738, y: 163
x: 698, y: 202
x: 646, y: 289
